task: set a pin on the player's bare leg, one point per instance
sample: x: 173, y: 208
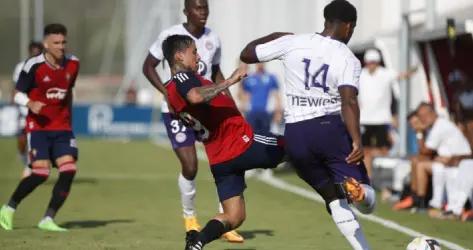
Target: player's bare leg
x: 233, y: 216
x: 67, y: 170
x: 423, y: 171
x: 40, y: 173
x: 231, y: 236
x: 370, y: 154
x: 188, y: 159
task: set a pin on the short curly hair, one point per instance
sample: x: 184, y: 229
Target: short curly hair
x: 340, y: 10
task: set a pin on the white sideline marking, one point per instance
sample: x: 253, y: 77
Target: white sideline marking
x: 306, y: 193
x: 311, y: 195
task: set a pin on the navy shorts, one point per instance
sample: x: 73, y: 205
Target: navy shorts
x: 318, y: 148
x: 260, y: 121
x: 179, y: 134
x: 264, y: 152
x: 50, y: 145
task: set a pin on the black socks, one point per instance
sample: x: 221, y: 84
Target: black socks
x: 26, y: 186
x: 60, y: 192
x: 212, y: 231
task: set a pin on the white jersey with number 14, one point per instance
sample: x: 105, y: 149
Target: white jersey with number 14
x: 315, y: 67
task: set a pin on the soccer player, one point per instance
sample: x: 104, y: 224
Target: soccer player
x: 322, y: 132
x: 183, y: 138
x: 34, y: 49
x: 231, y: 146
x: 45, y: 87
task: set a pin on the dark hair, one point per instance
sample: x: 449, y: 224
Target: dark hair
x: 412, y: 114
x: 187, y: 4
x: 55, y: 28
x: 340, y: 10
x: 173, y: 44
x: 35, y: 45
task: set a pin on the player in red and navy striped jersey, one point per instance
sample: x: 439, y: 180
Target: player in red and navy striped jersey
x: 231, y: 145
x: 45, y: 87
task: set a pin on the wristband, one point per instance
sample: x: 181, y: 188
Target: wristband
x: 21, y: 98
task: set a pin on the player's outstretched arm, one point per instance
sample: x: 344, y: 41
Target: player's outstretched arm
x: 407, y: 74
x: 351, y: 116
x: 248, y: 54
x: 206, y: 93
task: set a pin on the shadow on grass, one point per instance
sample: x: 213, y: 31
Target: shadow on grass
x: 92, y: 223
x: 250, y: 234
x: 77, y: 181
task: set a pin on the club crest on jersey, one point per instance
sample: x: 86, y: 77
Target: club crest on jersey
x: 56, y: 93
x: 181, y: 137
x: 68, y: 77
x: 209, y: 45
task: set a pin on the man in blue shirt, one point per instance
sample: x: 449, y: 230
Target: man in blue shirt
x: 257, y: 88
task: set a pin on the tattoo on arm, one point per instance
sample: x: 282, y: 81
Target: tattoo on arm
x: 210, y: 91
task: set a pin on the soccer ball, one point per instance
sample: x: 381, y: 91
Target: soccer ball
x: 423, y: 243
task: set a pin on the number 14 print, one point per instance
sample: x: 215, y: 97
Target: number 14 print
x: 317, y: 80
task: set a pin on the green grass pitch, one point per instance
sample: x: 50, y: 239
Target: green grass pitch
x: 125, y: 197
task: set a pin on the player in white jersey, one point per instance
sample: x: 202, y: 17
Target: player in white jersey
x: 322, y: 132
x: 34, y: 49
x: 182, y: 137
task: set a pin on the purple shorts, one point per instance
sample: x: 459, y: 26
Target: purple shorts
x: 318, y: 148
x: 179, y: 134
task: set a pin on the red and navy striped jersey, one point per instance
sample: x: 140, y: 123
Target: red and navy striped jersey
x: 51, y: 86
x: 228, y: 133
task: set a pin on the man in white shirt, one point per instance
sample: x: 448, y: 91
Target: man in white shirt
x: 322, y: 133
x: 377, y: 86
x: 451, y: 146
x: 181, y: 136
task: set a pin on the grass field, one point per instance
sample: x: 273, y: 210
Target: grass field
x: 126, y: 197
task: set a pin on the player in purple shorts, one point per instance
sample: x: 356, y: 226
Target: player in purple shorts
x: 322, y: 114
